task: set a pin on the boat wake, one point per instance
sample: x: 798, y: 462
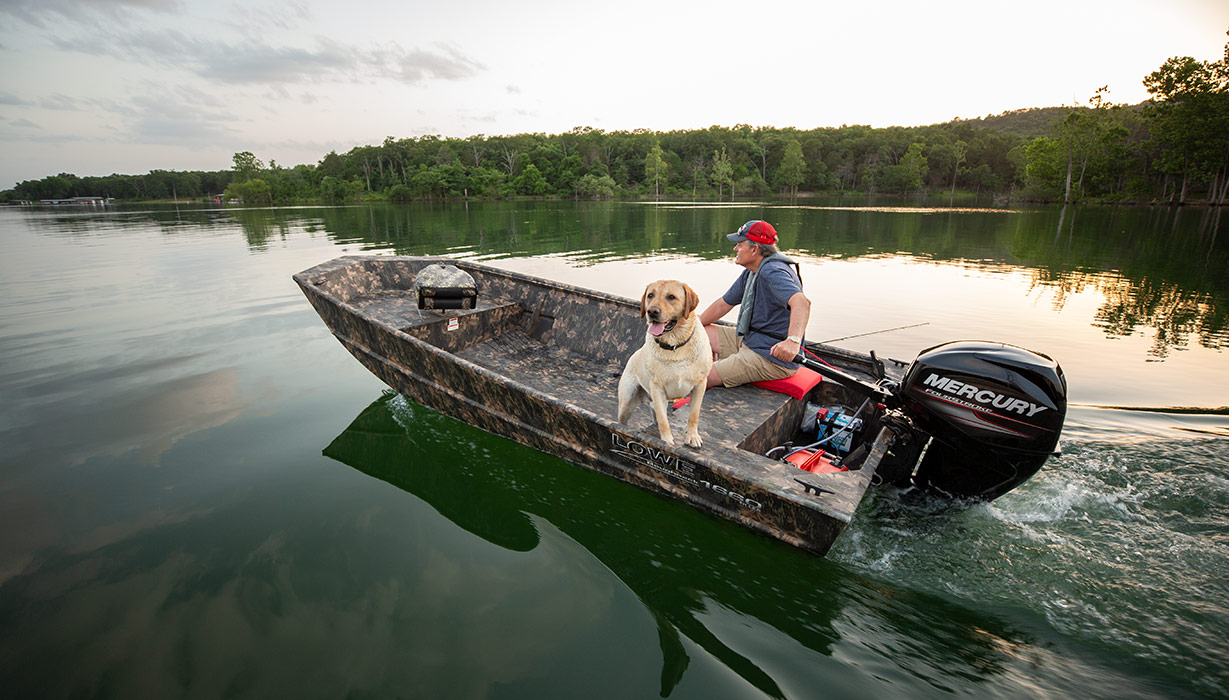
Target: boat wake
x: 1119, y: 542
x: 1124, y: 425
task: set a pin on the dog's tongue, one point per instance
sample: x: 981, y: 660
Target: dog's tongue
x: 656, y: 329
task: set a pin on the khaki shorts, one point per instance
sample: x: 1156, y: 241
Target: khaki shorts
x: 738, y: 364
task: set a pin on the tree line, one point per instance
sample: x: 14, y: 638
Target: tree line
x: 1174, y: 148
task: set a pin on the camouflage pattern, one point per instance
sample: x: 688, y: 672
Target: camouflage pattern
x: 445, y: 287
x: 538, y: 362
x: 450, y: 277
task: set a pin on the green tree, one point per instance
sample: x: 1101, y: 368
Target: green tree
x: 591, y: 187
x: 400, y: 193
x: 1189, y: 121
x: 655, y: 169
x: 258, y: 191
x: 255, y: 191
x: 1078, y: 134
x: 1045, y: 165
x: 570, y: 170
x: 907, y: 175
x: 793, y: 167
x: 427, y: 182
x: 486, y: 182
x: 948, y: 157
x: 246, y: 166
x: 337, y: 191
x: 722, y: 173
x: 530, y: 182
x: 445, y: 155
x: 695, y: 168
x: 332, y: 165
x: 51, y: 187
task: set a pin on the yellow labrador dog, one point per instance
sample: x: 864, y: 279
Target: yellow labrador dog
x: 673, y: 362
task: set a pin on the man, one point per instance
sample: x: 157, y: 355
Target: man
x: 772, y: 317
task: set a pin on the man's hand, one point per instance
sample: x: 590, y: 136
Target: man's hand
x: 786, y: 350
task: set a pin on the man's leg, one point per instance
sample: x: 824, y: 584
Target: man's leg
x: 724, y: 342
x: 714, y: 342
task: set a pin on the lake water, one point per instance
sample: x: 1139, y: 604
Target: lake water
x: 203, y: 495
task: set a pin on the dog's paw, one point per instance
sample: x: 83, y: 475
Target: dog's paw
x: 693, y: 441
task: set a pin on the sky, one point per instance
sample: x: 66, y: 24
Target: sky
x: 94, y: 87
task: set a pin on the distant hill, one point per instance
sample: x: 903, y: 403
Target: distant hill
x: 1030, y: 123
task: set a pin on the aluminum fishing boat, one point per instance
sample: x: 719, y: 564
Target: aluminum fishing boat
x: 538, y: 362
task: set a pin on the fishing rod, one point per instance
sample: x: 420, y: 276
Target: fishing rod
x: 885, y: 330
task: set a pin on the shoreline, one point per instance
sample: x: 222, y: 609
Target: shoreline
x: 374, y: 199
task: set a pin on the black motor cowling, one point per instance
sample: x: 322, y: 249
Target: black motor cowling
x: 994, y: 411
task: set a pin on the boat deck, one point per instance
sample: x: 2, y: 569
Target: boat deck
x: 727, y: 418
x: 494, y: 336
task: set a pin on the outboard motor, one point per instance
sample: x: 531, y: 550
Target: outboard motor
x: 994, y: 412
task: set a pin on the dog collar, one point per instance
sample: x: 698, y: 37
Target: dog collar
x: 667, y: 346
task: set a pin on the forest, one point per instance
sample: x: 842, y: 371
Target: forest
x: 1173, y: 148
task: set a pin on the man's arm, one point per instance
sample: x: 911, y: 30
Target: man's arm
x: 799, y: 314
x: 716, y: 310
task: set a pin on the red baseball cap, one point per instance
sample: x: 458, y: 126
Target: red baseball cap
x: 756, y: 231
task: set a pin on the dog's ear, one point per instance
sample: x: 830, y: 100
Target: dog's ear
x: 644, y: 301
x: 692, y: 299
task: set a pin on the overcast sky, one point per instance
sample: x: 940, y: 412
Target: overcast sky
x: 93, y: 87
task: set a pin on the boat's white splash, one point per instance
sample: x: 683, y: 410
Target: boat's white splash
x: 1118, y: 544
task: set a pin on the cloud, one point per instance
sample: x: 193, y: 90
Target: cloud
x: 40, y: 137
x: 250, y: 61
x: 175, y: 117
x: 60, y: 103
x: 417, y: 65
x: 194, y: 96
x: 177, y: 120
x: 41, y: 13
x: 270, y: 64
x: 253, y: 21
x: 241, y: 62
x: 8, y: 98
x: 123, y: 109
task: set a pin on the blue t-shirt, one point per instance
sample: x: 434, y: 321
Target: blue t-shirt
x: 775, y: 284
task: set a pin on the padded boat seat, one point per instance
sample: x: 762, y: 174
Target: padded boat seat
x: 796, y: 385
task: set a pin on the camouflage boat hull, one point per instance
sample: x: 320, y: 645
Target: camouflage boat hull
x: 537, y: 361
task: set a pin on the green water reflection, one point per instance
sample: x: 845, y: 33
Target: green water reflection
x: 1158, y: 268
x: 169, y: 526
x: 784, y: 622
